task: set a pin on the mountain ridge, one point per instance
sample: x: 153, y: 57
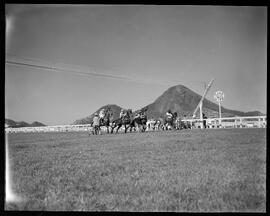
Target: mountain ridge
x: 15, y: 124
x: 178, y: 98
x: 87, y: 120
x: 182, y: 100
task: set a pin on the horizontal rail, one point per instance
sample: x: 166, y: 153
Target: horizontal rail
x: 226, y: 118
x: 238, y: 119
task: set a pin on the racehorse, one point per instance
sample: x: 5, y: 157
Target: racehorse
x: 125, y: 120
x: 185, y: 125
x: 170, y: 121
x: 178, y: 123
x: 107, y: 118
x: 94, y: 130
x: 139, y: 122
x: 159, y: 124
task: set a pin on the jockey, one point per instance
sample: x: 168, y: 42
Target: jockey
x: 138, y: 115
x: 102, y: 113
x: 169, y: 113
x: 122, y: 113
x: 95, y: 120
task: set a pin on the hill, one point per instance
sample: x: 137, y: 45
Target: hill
x: 87, y: 120
x: 37, y: 124
x: 178, y: 99
x: 12, y: 123
x: 182, y: 100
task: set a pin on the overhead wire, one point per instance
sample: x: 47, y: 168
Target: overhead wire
x: 56, y: 68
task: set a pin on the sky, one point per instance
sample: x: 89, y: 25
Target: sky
x: 63, y: 62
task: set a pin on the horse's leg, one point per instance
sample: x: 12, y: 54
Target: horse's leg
x: 120, y: 125
x: 112, y: 128
x: 142, y: 127
x: 131, y: 127
x: 137, y: 127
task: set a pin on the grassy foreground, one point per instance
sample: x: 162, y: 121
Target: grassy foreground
x: 192, y: 170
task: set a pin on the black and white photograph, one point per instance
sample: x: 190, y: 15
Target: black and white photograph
x: 135, y: 108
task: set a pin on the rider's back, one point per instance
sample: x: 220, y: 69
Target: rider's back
x: 96, y: 121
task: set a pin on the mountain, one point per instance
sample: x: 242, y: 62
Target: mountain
x: 182, y: 100
x: 10, y: 123
x: 37, y: 124
x: 87, y: 120
x: 178, y: 99
x: 14, y: 124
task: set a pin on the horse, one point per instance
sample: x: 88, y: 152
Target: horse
x: 170, y: 121
x: 139, y: 122
x: 107, y: 118
x: 125, y: 120
x: 185, y: 124
x: 94, y: 130
x: 150, y: 124
x: 178, y: 123
x: 159, y: 124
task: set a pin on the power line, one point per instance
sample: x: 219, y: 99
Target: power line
x: 26, y: 58
x: 75, y: 72
x: 57, y: 69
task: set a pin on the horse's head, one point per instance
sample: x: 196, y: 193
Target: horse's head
x: 143, y: 116
x: 126, y: 119
x: 168, y: 118
x: 129, y: 112
x: 144, y: 119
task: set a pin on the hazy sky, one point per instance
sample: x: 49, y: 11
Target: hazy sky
x: 146, y: 48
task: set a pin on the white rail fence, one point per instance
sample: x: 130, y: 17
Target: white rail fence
x: 232, y: 122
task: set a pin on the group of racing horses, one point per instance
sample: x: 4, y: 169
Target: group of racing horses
x: 138, y: 122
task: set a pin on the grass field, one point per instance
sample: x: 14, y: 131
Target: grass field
x: 191, y: 170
